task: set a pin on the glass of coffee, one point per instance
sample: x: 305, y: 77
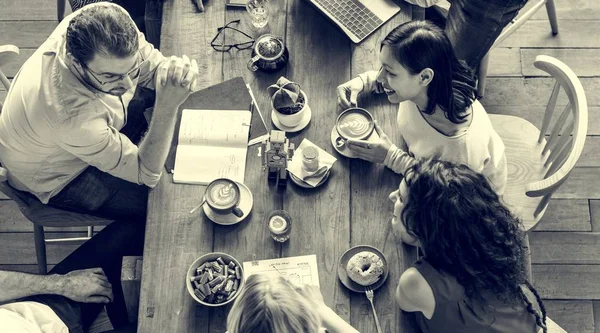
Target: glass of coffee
x: 223, y: 196
x: 355, y: 123
x: 279, y: 224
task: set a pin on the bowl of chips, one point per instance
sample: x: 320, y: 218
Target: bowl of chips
x: 215, y: 279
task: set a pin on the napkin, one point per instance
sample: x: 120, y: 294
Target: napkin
x: 295, y: 165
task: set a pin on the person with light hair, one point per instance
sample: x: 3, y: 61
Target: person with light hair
x: 274, y: 305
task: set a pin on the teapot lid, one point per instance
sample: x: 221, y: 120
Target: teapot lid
x: 269, y: 47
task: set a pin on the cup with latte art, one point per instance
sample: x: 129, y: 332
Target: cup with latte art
x: 223, y: 196
x: 355, y: 123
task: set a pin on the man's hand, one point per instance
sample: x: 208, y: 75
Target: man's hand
x: 175, y: 80
x: 348, y: 93
x: 87, y: 286
x: 371, y: 151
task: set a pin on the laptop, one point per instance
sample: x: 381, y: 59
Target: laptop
x: 358, y: 18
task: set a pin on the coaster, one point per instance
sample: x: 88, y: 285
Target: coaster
x: 343, y: 276
x: 303, y: 123
x: 344, y: 150
x: 302, y: 183
x: 246, y: 202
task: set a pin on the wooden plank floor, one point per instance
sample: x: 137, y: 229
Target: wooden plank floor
x: 566, y: 245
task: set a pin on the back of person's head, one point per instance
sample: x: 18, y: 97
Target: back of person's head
x: 271, y: 305
x: 417, y: 45
x: 103, y: 29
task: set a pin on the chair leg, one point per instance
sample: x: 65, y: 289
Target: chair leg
x: 528, y: 272
x: 551, y: 10
x: 482, y: 74
x: 60, y: 9
x: 40, y: 248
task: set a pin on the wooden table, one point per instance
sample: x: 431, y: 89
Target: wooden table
x: 351, y: 208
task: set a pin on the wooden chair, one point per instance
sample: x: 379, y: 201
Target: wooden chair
x: 508, y: 30
x: 39, y: 214
x: 539, y: 165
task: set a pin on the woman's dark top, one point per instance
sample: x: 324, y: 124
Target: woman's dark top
x: 454, y: 313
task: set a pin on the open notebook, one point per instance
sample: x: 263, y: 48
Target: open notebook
x: 230, y: 95
x: 211, y: 144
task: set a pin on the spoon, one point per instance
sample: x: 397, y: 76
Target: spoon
x: 317, y: 173
x: 197, y: 207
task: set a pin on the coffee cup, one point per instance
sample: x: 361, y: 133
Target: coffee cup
x: 223, y: 196
x: 355, y: 123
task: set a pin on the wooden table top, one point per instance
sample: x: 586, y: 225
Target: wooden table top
x: 351, y: 208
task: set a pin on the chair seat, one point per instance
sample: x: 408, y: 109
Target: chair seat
x: 525, y: 164
x: 48, y: 216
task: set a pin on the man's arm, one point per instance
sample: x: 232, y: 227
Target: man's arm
x: 87, y: 286
x: 93, y: 141
x: 170, y: 93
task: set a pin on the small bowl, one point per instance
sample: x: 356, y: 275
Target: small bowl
x: 359, y: 114
x: 212, y: 256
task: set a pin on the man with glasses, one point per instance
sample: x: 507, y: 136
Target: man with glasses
x: 66, y: 135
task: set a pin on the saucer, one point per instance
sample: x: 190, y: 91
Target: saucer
x: 246, y: 202
x: 345, y: 150
x: 301, y: 183
x: 343, y: 276
x: 303, y: 123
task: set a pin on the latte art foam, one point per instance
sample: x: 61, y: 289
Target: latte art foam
x: 223, y: 194
x: 354, y: 125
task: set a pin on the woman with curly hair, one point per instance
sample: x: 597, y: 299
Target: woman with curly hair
x: 471, y: 277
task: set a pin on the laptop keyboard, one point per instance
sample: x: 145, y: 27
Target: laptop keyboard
x: 353, y: 15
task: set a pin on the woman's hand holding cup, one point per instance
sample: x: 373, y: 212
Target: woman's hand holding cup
x: 372, y: 151
x: 348, y: 93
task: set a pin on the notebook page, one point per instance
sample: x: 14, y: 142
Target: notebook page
x: 212, y: 144
x: 217, y: 128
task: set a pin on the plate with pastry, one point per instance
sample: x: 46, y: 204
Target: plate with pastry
x: 362, y: 266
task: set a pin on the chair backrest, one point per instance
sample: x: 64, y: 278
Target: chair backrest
x: 568, y: 130
x: 7, y: 54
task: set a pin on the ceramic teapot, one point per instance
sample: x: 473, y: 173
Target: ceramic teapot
x: 269, y: 54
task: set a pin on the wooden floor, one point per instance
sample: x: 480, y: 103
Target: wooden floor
x: 566, y: 247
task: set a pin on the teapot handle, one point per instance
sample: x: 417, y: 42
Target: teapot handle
x: 251, y: 63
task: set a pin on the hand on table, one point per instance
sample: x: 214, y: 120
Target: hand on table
x: 348, y: 93
x: 87, y: 286
x: 371, y: 151
x: 175, y: 80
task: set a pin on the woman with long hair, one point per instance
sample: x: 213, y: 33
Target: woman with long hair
x: 437, y: 112
x: 471, y: 277
x: 274, y: 305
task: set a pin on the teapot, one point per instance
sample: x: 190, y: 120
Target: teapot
x: 269, y: 54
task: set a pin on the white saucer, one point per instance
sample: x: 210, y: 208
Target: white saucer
x: 303, y: 123
x: 345, y: 150
x: 246, y: 202
x: 302, y: 183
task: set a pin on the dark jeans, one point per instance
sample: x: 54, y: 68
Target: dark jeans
x: 105, y: 250
x: 474, y: 25
x: 99, y: 193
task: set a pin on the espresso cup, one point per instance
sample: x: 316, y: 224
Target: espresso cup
x: 223, y: 196
x: 355, y: 123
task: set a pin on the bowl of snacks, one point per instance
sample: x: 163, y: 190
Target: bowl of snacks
x: 215, y: 279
